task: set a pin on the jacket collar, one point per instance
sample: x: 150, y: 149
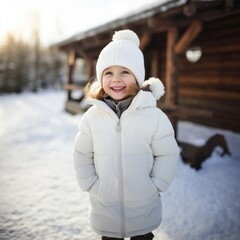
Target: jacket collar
x: 119, y: 107
x: 155, y: 89
x: 142, y: 100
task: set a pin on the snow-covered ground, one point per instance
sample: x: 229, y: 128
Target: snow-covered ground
x: 40, y: 199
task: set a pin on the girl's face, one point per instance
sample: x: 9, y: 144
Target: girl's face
x: 116, y: 81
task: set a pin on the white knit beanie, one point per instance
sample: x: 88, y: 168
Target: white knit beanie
x: 124, y: 51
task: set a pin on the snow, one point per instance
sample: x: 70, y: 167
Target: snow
x: 40, y: 199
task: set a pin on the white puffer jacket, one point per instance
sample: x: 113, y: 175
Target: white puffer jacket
x: 124, y: 164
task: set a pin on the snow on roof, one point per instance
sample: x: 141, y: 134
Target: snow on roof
x: 141, y: 13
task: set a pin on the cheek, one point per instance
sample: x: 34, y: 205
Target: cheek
x: 105, y: 85
x: 132, y: 89
x: 131, y: 84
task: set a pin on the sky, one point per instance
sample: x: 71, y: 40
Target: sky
x: 60, y: 19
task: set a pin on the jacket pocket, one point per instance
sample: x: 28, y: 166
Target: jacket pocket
x: 140, y: 190
x: 94, y: 187
x: 105, y: 191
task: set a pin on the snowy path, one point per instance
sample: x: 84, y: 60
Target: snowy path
x: 40, y: 199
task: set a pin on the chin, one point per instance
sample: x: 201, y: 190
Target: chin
x: 119, y: 97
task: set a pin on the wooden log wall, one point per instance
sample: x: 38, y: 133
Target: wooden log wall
x: 213, y: 83
x: 155, y: 57
x: 208, y: 91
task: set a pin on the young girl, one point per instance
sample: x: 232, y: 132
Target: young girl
x: 125, y: 152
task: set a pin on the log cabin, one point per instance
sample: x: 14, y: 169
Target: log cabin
x: 193, y: 46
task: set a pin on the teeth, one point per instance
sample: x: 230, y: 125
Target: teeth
x: 117, y: 88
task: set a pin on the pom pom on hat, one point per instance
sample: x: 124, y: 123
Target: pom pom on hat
x: 123, y: 51
x: 156, y: 87
x: 126, y: 35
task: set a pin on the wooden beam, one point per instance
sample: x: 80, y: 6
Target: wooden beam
x: 151, y: 22
x: 233, y: 47
x: 71, y: 57
x: 154, y: 64
x: 187, y: 112
x: 161, y: 25
x: 171, y: 68
x: 71, y: 60
x: 189, y: 10
x: 144, y: 41
x: 210, y: 94
x: 73, y: 87
x: 171, y: 97
x: 91, y: 67
x: 191, y: 33
x: 70, y: 78
x: 91, y: 42
x: 82, y: 53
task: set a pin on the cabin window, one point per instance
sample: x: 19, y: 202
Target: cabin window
x: 193, y: 54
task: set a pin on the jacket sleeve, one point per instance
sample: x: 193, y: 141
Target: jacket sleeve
x: 166, y: 153
x: 83, y: 156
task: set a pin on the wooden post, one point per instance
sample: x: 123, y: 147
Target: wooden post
x: 90, y: 66
x: 154, y: 64
x: 171, y: 69
x: 89, y: 61
x: 171, y: 74
x: 71, y: 64
x: 144, y: 41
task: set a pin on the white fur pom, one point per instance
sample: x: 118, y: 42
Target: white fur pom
x: 156, y: 87
x: 95, y: 86
x: 126, y: 35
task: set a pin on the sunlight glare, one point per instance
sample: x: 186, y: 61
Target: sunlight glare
x: 56, y: 20
x: 16, y: 18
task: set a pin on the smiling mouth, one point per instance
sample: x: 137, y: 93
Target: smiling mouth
x: 117, y: 89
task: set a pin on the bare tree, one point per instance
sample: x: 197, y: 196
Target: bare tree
x: 25, y: 64
x: 35, y: 26
x: 7, y: 56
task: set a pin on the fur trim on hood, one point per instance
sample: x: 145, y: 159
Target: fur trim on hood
x: 153, y: 85
x: 94, y: 87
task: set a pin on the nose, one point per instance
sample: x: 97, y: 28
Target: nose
x: 116, y: 78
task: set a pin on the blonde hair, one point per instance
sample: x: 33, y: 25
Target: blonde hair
x: 95, y: 91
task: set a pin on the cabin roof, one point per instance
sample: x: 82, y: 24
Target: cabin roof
x: 205, y: 91
x: 141, y: 13
x: 166, y: 9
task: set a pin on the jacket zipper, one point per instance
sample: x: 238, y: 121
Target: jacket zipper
x: 121, y: 185
x: 117, y: 109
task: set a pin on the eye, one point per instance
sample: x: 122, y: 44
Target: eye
x: 107, y: 73
x: 125, y: 72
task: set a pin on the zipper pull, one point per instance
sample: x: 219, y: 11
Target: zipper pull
x: 118, y: 127
x: 118, y: 110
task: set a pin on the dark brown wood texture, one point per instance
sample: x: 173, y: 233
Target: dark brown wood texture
x: 205, y: 92
x: 213, y: 83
